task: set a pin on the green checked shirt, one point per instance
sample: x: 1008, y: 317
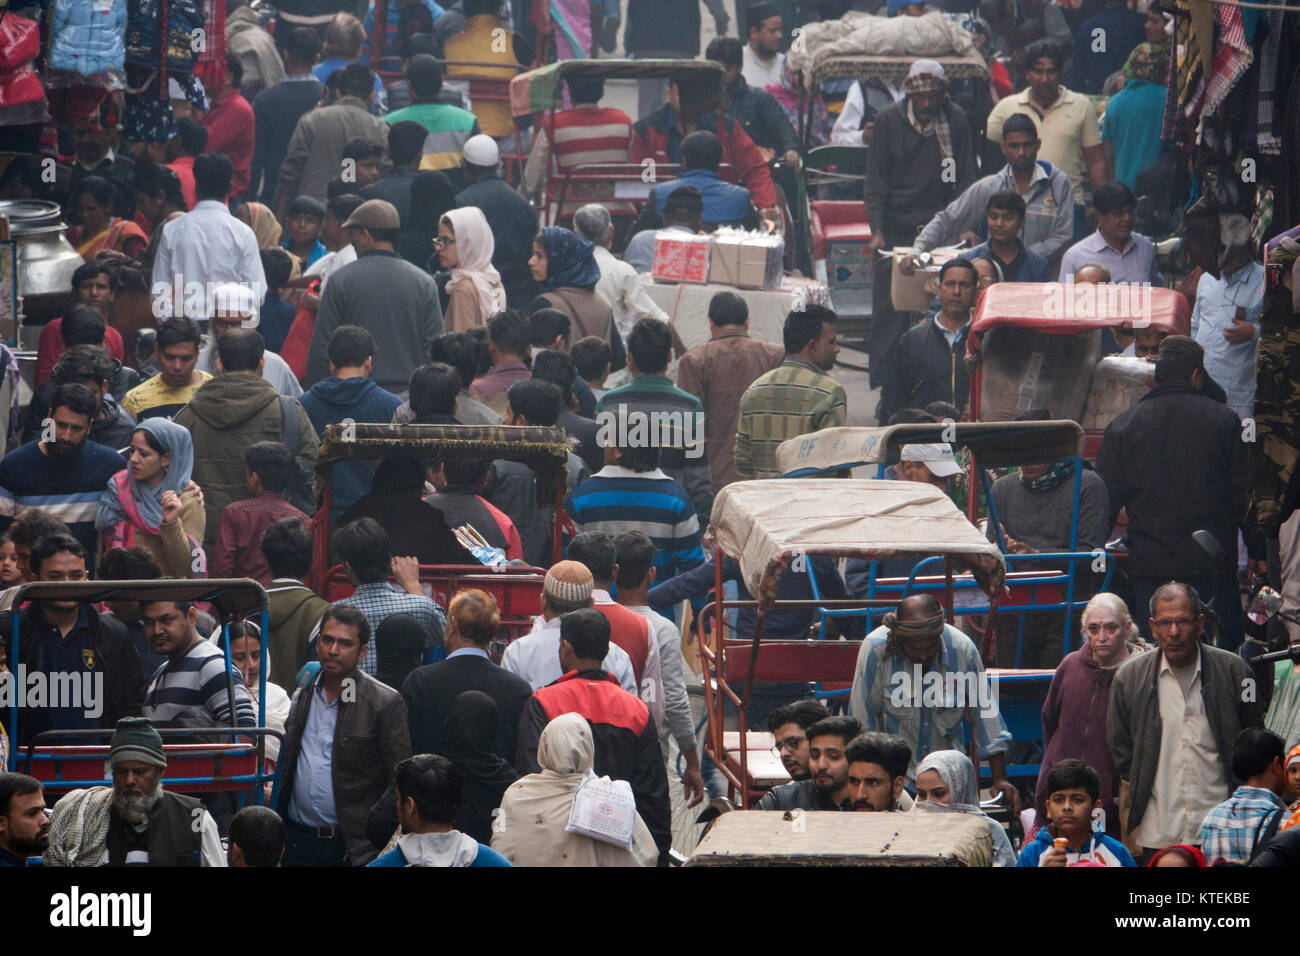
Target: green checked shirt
x: 795, y: 398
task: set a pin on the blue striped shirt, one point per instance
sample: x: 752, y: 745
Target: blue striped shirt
x: 65, y: 488
x: 617, y: 499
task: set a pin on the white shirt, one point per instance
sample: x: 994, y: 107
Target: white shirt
x: 331, y: 263
x: 207, y: 246
x: 1190, y: 781
x: 760, y: 73
x: 628, y: 294
x: 536, y: 658
x: 847, y: 130
x: 276, y: 370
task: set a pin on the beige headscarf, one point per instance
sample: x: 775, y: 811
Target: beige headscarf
x: 529, y: 829
x: 475, y: 248
x: 263, y: 223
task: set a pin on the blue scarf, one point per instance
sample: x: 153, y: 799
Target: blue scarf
x: 176, y: 441
x: 570, y: 260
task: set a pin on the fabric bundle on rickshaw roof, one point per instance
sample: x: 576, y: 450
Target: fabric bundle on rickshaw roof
x: 769, y: 523
x: 539, y: 90
x: 1067, y: 307
x: 864, y: 35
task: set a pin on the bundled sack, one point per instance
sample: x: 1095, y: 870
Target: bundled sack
x: 20, y: 42
x: 861, y: 34
x: 681, y: 257
x: 746, y: 258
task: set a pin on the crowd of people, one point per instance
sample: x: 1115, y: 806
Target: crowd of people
x: 290, y: 241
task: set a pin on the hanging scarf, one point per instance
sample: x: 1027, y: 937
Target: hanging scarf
x: 1057, y: 473
x: 475, y: 248
x: 1150, y: 62
x: 570, y: 260
x: 938, y: 125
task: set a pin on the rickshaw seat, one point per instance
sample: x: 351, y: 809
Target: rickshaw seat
x: 60, y: 767
x: 790, y: 662
x: 765, y: 768
x: 837, y: 220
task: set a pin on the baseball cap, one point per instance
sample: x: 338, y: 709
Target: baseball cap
x: 938, y: 458
x: 481, y: 150
x: 374, y: 214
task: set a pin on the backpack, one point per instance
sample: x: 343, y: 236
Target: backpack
x: 1264, y: 834
x: 301, y: 490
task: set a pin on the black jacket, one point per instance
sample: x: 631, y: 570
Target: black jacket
x: 113, y: 426
x: 925, y: 369
x: 762, y: 116
x: 513, y: 224
x: 660, y: 27
x: 429, y: 692
x: 626, y: 738
x: 1176, y: 461
x: 585, y: 431
x: 125, y: 679
x: 799, y: 795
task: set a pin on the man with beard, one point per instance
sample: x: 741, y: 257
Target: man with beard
x: 789, y: 725
x: 63, y: 474
x: 764, y: 60
x: 877, y: 770
x: 24, y: 821
x: 921, y: 160
x: 135, y: 822
x: 827, y: 786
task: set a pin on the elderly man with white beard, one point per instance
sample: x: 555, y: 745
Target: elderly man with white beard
x: 135, y: 822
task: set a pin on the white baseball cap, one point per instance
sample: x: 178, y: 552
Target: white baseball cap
x: 481, y: 150
x: 938, y: 458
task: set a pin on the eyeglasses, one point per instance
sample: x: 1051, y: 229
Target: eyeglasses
x: 1111, y: 629
x: 442, y: 242
x: 790, y: 743
x: 1169, y: 624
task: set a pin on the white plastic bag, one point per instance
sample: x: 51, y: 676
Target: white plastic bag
x: 604, y: 810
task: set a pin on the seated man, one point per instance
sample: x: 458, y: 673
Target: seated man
x: 140, y: 823
x: 587, y: 133
x: 789, y: 724
x: 1073, y: 792
x: 396, y: 502
x: 917, y: 635
x: 682, y: 211
x: 1235, y: 830
x: 460, y: 499
x: 429, y: 795
x: 827, y: 786
x: 725, y: 204
x: 877, y: 770
x: 193, y: 687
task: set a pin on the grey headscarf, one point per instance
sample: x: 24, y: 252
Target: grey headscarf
x: 958, y: 773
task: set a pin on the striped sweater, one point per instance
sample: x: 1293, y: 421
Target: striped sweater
x: 795, y: 398
x: 617, y: 499
x: 449, y: 128
x: 193, y: 692
x: 65, y: 488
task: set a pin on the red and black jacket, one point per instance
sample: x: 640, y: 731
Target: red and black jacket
x: 657, y: 137
x: 627, y: 741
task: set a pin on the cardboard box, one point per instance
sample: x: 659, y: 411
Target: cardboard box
x: 681, y: 258
x: 914, y: 293
x: 747, y: 260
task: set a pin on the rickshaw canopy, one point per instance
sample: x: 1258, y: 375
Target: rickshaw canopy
x: 538, y: 90
x: 234, y: 598
x: 994, y: 444
x: 1061, y: 308
x: 765, y: 526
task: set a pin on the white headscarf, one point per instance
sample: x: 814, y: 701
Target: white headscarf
x: 958, y: 774
x: 475, y: 248
x: 529, y: 829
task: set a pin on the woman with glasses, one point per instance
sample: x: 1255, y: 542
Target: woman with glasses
x: 465, y: 246
x: 1074, y: 714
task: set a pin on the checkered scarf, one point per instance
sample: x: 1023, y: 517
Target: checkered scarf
x: 938, y: 126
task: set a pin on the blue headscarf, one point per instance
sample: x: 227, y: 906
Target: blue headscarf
x: 570, y: 260
x: 176, y: 441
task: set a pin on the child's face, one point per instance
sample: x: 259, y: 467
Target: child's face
x: 304, y: 228
x: 10, y: 573
x: 1071, y: 811
x: 1292, y: 772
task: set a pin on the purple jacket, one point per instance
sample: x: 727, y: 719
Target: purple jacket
x: 1074, y: 725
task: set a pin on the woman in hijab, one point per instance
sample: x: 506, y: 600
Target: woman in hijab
x: 529, y: 829
x: 945, y: 783
x: 565, y: 265
x: 153, y: 503
x: 468, y: 736
x: 432, y: 194
x: 465, y: 246
x: 246, y: 656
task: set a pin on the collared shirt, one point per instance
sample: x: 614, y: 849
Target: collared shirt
x: 1067, y: 128
x: 536, y: 658
x: 795, y: 398
x: 894, y: 695
x: 625, y: 292
x: 468, y: 652
x: 1049, y: 211
x: 1231, y: 828
x: 312, y: 803
x: 1217, y: 301
x: 491, y: 389
x: 379, y: 600
x: 1190, y: 780
x: 206, y: 245
x: 718, y: 372
x: 1136, y: 263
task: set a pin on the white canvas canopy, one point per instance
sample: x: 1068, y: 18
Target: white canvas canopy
x: 769, y: 523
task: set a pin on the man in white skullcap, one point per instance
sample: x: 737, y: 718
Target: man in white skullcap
x: 234, y: 305
x: 536, y: 657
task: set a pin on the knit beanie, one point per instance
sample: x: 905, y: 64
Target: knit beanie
x: 568, y: 584
x: 136, y: 739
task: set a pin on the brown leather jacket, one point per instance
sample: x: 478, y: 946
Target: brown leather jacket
x: 370, y: 740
